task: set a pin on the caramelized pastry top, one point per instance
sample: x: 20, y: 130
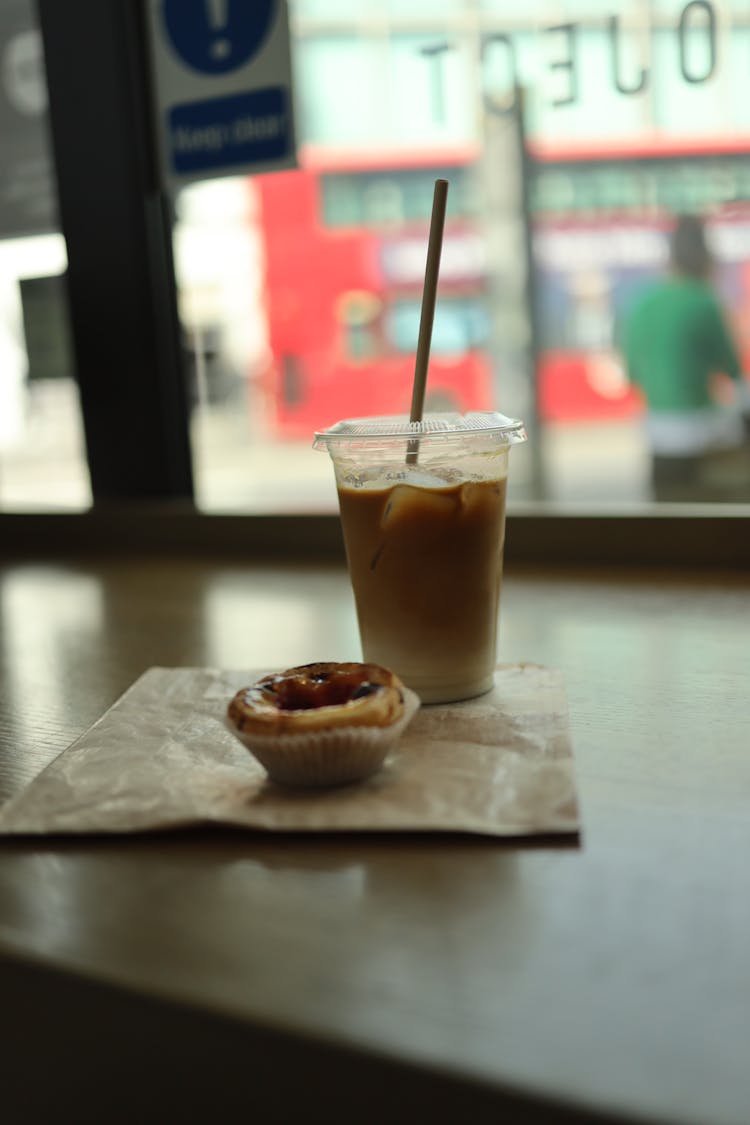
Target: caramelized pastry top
x: 318, y: 697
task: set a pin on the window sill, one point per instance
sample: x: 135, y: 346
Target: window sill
x: 675, y: 536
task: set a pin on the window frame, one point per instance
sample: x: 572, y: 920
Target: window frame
x: 117, y: 226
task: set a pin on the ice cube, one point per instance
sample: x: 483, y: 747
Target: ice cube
x: 406, y: 501
x: 478, y: 497
x: 424, y: 478
x: 471, y: 494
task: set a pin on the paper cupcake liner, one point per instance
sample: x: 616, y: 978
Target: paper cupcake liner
x: 337, y: 756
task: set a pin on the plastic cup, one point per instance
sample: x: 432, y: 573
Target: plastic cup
x: 423, y: 516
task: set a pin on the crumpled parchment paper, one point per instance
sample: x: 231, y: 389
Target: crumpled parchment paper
x: 161, y: 757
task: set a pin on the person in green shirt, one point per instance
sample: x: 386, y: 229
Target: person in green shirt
x: 676, y: 341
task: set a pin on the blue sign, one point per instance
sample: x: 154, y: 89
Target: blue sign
x: 217, y: 36
x: 240, y: 129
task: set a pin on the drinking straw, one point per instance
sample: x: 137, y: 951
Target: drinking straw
x: 429, y: 295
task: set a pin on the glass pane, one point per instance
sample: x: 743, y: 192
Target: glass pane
x: 300, y: 290
x: 42, y: 456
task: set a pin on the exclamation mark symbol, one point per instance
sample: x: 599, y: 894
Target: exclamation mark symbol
x: 218, y: 18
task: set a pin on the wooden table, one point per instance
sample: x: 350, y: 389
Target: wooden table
x: 198, y: 976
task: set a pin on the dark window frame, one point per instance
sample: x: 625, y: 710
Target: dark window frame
x: 130, y: 363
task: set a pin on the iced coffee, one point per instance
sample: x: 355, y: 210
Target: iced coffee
x: 425, y: 566
x: 424, y: 544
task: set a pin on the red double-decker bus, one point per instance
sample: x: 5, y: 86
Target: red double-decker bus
x: 345, y: 240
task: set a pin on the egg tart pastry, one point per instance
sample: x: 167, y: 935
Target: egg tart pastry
x: 322, y: 724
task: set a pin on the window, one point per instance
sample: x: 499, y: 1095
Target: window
x: 571, y: 139
x: 42, y: 454
x: 461, y: 326
x: 397, y: 195
x: 530, y: 321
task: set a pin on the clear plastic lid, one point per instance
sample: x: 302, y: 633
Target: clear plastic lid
x: 434, y: 428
